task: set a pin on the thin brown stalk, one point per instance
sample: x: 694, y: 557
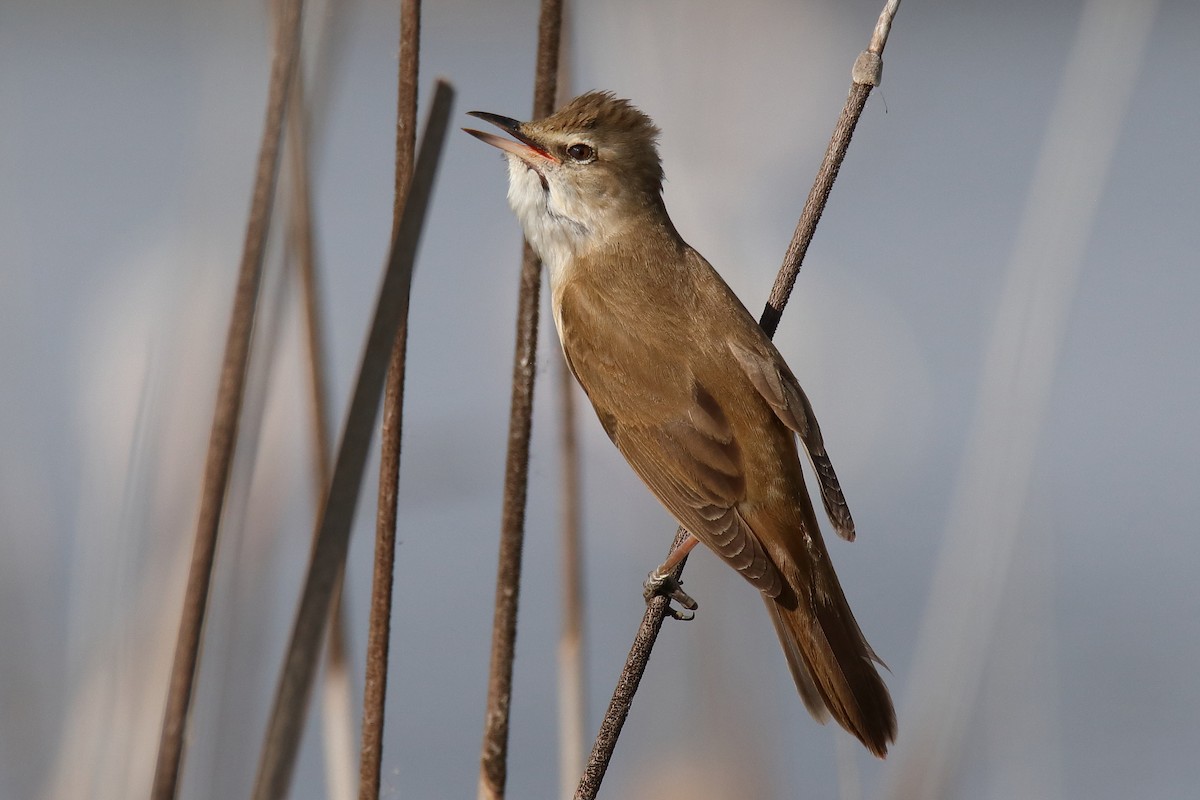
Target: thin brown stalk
x: 493, y: 768
x: 301, y: 238
x: 571, y: 683
x: 572, y: 679
x: 866, y: 75
x: 379, y: 632
x: 329, y: 551
x: 228, y: 409
x: 337, y: 717
x: 627, y: 685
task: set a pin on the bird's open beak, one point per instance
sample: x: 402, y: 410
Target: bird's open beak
x: 524, y: 148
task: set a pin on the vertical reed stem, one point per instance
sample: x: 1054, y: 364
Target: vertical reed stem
x: 493, y: 770
x: 223, y: 438
x: 379, y: 631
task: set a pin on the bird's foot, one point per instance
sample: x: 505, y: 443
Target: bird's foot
x: 658, y: 583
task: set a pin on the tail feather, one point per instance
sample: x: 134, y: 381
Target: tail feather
x: 831, y: 664
x: 809, y: 693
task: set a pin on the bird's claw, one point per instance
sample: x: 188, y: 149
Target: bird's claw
x: 669, y: 587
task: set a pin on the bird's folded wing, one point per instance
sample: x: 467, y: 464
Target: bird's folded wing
x: 693, y: 465
x: 779, y: 387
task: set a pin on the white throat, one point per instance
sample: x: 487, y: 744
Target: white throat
x: 559, y: 224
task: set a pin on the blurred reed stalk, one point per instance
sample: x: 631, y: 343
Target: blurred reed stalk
x: 572, y: 672
x: 228, y: 409
x: 493, y: 768
x: 967, y: 595
x: 866, y: 74
x: 379, y: 632
x: 336, y: 690
x: 329, y: 551
x: 572, y: 684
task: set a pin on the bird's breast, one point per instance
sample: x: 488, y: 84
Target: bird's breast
x: 629, y: 350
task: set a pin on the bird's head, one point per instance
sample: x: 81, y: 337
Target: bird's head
x: 579, y: 175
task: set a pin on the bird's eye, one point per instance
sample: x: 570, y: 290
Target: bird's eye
x: 581, y: 152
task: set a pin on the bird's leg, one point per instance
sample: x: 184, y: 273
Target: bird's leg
x: 660, y: 581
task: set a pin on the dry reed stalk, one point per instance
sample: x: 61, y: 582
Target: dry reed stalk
x: 493, y: 767
x: 223, y: 437
x: 329, y: 551
x: 572, y: 693
x: 336, y: 691
x: 572, y: 643
x: 379, y: 630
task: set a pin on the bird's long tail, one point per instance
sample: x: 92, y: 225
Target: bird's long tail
x: 831, y: 662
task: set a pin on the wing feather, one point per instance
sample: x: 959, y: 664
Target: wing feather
x: 695, y: 470
x: 680, y: 443
x: 779, y: 387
